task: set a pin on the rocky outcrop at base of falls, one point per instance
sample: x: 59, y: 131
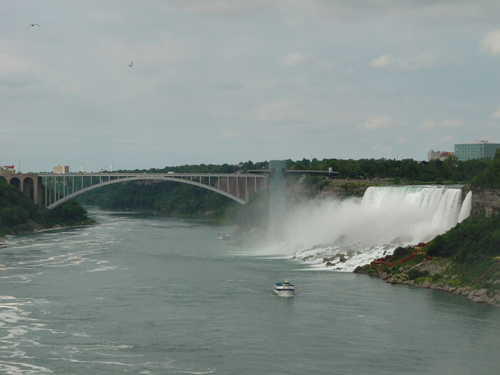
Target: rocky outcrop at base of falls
x: 436, y: 273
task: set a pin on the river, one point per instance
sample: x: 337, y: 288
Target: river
x: 142, y: 294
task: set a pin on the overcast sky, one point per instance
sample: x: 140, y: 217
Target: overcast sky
x: 223, y: 81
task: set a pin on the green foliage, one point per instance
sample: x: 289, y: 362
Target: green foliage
x: 313, y: 180
x: 414, y: 274
x: 436, y: 277
x: 18, y: 212
x: 70, y: 212
x: 400, y: 252
x: 489, y: 178
x: 470, y: 241
x: 449, y: 170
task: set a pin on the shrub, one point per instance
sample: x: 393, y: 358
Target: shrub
x: 414, y: 274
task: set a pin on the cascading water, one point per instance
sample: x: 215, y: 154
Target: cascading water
x: 466, y: 207
x: 344, y: 234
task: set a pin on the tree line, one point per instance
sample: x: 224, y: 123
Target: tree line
x: 450, y: 169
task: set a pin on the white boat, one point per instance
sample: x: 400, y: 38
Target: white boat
x: 2, y: 244
x: 222, y: 236
x: 284, y: 289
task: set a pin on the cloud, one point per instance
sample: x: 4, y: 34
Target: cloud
x: 423, y: 61
x: 372, y: 123
x: 383, y: 61
x: 446, y: 138
x: 428, y: 124
x: 491, y: 43
x: 221, y: 6
x: 382, y: 148
x: 231, y: 135
x: 453, y: 123
x: 106, y: 17
x: 12, y: 65
x: 14, y: 71
x: 402, y: 140
x: 431, y: 124
x: 277, y: 111
x: 292, y: 59
x: 496, y: 114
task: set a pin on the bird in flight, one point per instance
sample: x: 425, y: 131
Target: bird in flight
x: 130, y: 63
x: 32, y: 25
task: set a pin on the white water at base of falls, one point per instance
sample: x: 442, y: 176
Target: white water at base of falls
x: 342, y: 235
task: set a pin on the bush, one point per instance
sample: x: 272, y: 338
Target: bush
x: 414, y: 274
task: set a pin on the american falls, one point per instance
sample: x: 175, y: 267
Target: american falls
x: 343, y: 234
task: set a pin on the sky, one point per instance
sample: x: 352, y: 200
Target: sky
x: 227, y: 81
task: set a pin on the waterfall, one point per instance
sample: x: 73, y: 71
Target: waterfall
x: 466, y: 207
x: 432, y: 210
x: 362, y: 229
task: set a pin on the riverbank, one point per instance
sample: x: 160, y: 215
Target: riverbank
x: 479, y: 283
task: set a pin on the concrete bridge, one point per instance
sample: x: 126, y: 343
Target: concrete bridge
x: 51, y: 189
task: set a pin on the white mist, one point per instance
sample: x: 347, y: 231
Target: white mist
x: 353, y: 232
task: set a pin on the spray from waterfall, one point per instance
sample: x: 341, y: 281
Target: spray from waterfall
x: 359, y: 230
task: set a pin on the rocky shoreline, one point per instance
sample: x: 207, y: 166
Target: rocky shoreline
x: 436, y: 277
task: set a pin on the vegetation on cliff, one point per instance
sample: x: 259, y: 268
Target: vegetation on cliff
x: 489, y: 177
x: 469, y: 242
x: 18, y: 213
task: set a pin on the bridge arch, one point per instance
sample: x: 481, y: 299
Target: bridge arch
x: 143, y: 178
x: 16, y: 182
x: 29, y: 187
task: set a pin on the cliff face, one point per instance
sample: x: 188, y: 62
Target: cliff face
x: 485, y: 201
x: 301, y: 191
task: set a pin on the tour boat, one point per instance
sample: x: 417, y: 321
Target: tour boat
x: 222, y: 236
x: 284, y: 288
x: 2, y: 244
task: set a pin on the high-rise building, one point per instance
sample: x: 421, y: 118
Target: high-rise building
x: 479, y: 149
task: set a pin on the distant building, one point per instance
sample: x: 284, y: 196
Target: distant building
x: 60, y: 169
x: 431, y: 155
x: 479, y: 149
x: 8, y: 169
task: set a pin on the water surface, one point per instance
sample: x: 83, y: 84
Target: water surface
x: 142, y: 294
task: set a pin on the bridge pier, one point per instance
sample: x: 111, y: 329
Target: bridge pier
x: 29, y: 183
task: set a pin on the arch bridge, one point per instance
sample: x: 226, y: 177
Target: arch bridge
x: 51, y: 190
